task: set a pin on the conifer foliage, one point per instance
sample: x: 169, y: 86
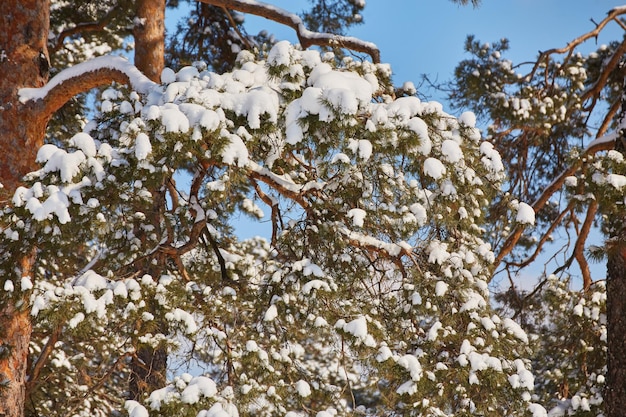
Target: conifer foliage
x: 558, y: 121
x: 371, y: 295
x: 122, y: 269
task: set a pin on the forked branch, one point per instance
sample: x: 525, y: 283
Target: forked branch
x: 612, y: 15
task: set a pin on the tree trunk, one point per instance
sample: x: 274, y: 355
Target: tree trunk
x: 15, y: 336
x: 23, y: 63
x: 149, y: 34
x: 615, y: 392
x: 615, y: 388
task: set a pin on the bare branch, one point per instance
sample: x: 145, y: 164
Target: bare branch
x: 42, y: 359
x: 236, y: 28
x: 612, y: 15
x: 600, y: 83
x: 603, y: 143
x: 306, y: 37
x: 273, y: 205
x: 610, y: 116
x: 580, y: 244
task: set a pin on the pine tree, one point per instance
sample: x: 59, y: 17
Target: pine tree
x: 559, y: 126
x: 118, y: 249
x: 376, y: 207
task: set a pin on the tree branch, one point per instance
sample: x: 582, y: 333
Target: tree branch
x: 81, y: 78
x: 305, y: 36
x: 603, y: 143
x: 600, y: 83
x: 244, y: 39
x: 273, y: 205
x: 42, y: 359
x: 545, y: 238
x: 579, y: 247
x: 612, y: 15
x: 286, y: 188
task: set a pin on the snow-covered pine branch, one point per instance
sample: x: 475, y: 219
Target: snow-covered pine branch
x: 376, y: 207
x: 81, y: 78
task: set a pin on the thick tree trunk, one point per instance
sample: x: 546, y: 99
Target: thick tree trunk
x: 615, y: 389
x: 16, y: 330
x: 615, y: 392
x: 149, y: 34
x: 23, y: 63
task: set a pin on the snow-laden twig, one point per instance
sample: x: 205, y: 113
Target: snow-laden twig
x: 371, y: 243
x: 285, y: 186
x: 306, y: 37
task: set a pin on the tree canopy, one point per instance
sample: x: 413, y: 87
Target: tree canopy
x: 389, y: 219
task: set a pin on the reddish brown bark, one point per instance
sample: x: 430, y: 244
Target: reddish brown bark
x: 16, y: 330
x: 23, y: 63
x: 149, y: 33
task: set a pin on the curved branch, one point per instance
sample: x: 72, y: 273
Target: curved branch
x: 305, y: 36
x: 83, y: 77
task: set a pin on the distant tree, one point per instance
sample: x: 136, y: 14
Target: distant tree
x: 558, y: 121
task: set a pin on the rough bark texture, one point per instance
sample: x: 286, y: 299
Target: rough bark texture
x: 15, y: 334
x: 615, y: 392
x: 23, y: 63
x: 149, y: 33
